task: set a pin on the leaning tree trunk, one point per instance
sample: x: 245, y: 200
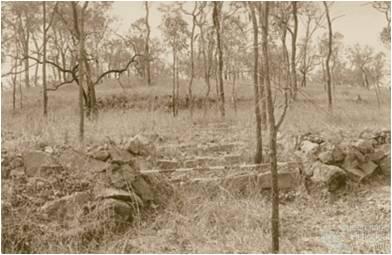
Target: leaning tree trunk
x: 328, y: 57
x: 215, y: 15
x: 259, y: 142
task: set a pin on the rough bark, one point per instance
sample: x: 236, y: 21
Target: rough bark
x: 272, y: 135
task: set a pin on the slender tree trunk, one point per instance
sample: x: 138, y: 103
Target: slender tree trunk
x: 44, y: 91
x: 147, y: 46
x: 263, y: 102
x: 234, y: 93
x: 174, y: 84
x: 177, y: 86
x: 20, y: 93
x: 79, y: 28
x: 26, y: 61
x: 328, y: 56
x: 272, y: 135
x: 294, y: 50
x: 304, y: 63
x: 14, y: 81
x: 216, y: 14
x: 190, y: 94
x: 259, y: 141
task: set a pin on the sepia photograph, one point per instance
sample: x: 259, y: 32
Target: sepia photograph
x: 197, y: 127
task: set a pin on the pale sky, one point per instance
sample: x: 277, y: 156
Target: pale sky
x: 361, y: 23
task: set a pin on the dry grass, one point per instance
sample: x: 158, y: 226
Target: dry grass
x: 196, y: 221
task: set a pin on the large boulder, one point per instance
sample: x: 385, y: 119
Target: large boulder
x: 77, y: 162
x: 121, y: 176
x: 119, y: 156
x: 38, y: 163
x: 68, y: 209
x: 385, y: 166
x: 364, y: 145
x: 309, y: 150
x: 115, y: 211
x: 332, y: 155
x: 101, y: 155
x: 331, y: 177
x: 143, y: 189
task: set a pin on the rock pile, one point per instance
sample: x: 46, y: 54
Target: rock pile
x: 330, y: 164
x: 73, y: 188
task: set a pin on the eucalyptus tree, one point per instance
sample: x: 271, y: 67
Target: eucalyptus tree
x: 312, y: 19
x: 216, y: 17
x: 176, y: 34
x: 327, y: 61
x: 259, y: 142
x: 385, y: 8
x: 147, y: 45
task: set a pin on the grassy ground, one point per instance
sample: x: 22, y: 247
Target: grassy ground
x: 197, y: 221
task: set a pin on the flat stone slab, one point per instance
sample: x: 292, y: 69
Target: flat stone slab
x: 39, y: 163
x: 78, y: 162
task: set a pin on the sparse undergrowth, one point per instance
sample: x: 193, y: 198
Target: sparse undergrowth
x: 197, y: 220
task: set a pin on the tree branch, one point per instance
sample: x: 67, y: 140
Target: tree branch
x: 119, y: 71
x: 286, y: 105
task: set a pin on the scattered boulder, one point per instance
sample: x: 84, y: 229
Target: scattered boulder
x: 115, y: 211
x: 286, y: 180
x: 112, y: 193
x: 364, y: 145
x: 385, y: 166
x: 377, y: 155
x: 140, y: 145
x: 309, y: 150
x: 122, y: 176
x: 119, y: 156
x: 38, y: 163
x: 143, y: 189
x: 368, y: 167
x: 101, y: 155
x: 313, y: 138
